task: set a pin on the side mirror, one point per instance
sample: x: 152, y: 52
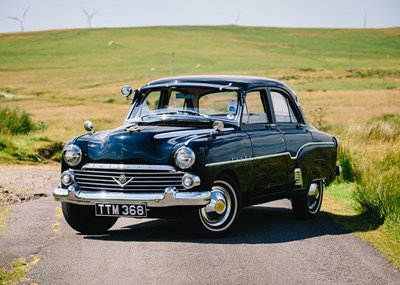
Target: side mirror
x: 88, y: 125
x: 218, y: 126
x: 126, y: 90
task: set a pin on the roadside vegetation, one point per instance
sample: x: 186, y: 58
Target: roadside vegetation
x: 369, y: 188
x: 348, y: 82
x: 17, y: 142
x: 19, y: 271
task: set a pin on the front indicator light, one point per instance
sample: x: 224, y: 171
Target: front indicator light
x: 67, y: 178
x: 190, y: 181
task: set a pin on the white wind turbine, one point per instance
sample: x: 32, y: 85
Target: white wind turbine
x: 20, y: 19
x: 237, y: 19
x: 89, y: 17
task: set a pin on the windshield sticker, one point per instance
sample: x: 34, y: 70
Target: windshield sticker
x: 232, y: 106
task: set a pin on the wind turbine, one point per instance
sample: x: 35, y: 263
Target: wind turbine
x: 20, y: 19
x: 237, y: 19
x: 89, y: 17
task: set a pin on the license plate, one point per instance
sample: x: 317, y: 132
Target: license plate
x: 121, y: 210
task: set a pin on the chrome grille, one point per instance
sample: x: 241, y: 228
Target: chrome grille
x: 128, y: 178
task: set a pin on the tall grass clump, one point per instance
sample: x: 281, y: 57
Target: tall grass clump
x: 376, y: 169
x: 346, y: 161
x: 378, y: 190
x: 15, y: 122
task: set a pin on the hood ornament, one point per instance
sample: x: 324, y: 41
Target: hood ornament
x: 134, y: 128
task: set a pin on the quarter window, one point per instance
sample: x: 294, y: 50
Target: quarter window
x: 283, y: 111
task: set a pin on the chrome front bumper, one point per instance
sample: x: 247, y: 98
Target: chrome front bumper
x: 169, y: 198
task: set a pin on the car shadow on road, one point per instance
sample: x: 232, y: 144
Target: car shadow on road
x: 257, y: 225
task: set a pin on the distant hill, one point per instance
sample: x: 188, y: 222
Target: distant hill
x: 67, y: 61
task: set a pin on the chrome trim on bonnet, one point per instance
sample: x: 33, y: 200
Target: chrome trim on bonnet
x: 128, y: 167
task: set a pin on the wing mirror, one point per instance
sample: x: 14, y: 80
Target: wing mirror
x: 88, y: 125
x: 218, y: 126
x: 126, y: 90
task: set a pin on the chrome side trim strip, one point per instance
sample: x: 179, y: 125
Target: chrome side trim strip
x: 229, y: 162
x: 270, y: 155
x: 311, y: 144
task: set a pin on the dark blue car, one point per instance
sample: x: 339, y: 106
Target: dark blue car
x: 197, y: 147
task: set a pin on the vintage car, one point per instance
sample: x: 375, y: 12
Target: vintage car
x: 197, y: 147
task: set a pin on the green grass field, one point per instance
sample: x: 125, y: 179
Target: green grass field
x: 347, y: 80
x: 94, y: 62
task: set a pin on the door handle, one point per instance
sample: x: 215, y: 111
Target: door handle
x: 270, y: 126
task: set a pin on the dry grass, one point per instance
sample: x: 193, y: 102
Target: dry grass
x: 64, y: 118
x: 351, y: 107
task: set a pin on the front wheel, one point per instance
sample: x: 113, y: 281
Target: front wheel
x: 308, y: 204
x: 83, y: 219
x: 218, y: 217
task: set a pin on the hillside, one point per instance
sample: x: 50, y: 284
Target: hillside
x: 94, y: 62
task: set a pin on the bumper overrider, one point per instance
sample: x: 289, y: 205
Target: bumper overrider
x: 159, y: 186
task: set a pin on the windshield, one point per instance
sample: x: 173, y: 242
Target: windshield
x: 190, y: 103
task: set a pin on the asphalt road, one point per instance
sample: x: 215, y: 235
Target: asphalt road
x: 268, y: 246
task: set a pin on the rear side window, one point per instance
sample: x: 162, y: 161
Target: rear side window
x: 283, y: 111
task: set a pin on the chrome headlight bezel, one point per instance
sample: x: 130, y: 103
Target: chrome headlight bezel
x: 72, y: 155
x: 184, y: 157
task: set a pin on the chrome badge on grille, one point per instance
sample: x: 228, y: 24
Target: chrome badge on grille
x: 122, y: 180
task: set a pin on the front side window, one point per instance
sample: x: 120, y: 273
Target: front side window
x: 283, y: 111
x: 221, y: 104
x: 254, y: 110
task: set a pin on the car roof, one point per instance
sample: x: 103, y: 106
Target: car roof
x: 244, y: 82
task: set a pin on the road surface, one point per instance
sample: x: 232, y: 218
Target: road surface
x: 268, y: 246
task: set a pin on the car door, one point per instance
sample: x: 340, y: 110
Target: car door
x: 291, y: 125
x: 268, y: 145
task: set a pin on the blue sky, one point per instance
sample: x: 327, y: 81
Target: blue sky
x: 67, y: 14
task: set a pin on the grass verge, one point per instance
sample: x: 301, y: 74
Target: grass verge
x: 340, y: 204
x: 19, y: 271
x: 3, y: 219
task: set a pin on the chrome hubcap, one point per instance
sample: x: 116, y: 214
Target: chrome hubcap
x: 217, y: 211
x: 313, y: 196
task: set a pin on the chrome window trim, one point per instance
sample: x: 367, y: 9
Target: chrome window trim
x: 241, y: 160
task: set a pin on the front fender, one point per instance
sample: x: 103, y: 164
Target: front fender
x: 217, y: 154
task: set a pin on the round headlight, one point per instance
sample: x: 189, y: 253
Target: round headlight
x: 184, y: 157
x: 72, y: 155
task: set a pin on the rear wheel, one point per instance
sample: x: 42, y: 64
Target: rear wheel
x: 218, y: 217
x: 83, y: 219
x: 308, y: 204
